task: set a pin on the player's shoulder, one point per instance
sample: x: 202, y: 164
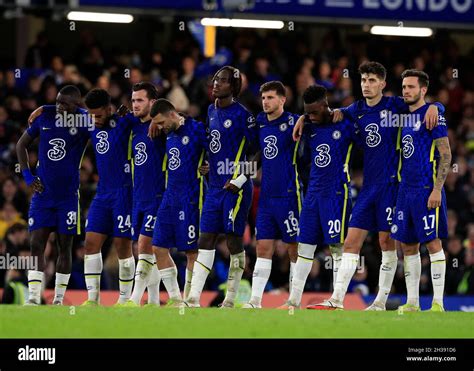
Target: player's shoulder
x: 239, y: 108
x: 261, y: 118
x: 194, y: 124
x: 82, y: 111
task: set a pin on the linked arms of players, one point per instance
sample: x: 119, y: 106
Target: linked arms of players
x: 430, y: 119
x: 442, y: 144
x: 22, y: 153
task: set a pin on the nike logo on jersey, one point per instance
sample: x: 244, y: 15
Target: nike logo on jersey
x: 292, y: 234
x: 44, y: 128
x: 360, y: 116
x: 334, y: 235
x: 429, y: 233
x: 312, y: 135
x: 148, y: 229
x: 124, y: 230
x: 191, y: 242
x: 70, y: 228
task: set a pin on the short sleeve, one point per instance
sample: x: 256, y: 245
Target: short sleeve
x: 250, y: 127
x: 349, y: 112
x: 35, y: 127
x: 441, y: 130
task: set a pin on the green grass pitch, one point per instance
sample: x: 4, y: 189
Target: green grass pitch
x: 148, y: 322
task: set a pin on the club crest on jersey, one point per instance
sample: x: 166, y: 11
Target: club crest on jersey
x: 112, y: 123
x: 31, y: 221
x: 73, y: 131
x: 383, y: 114
x: 394, y: 228
x: 227, y: 123
x: 185, y: 140
x: 417, y: 126
x: 336, y: 134
x: 283, y: 126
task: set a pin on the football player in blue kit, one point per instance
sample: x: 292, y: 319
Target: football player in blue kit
x: 149, y: 172
x: 280, y: 197
x: 376, y: 116
x: 177, y: 221
x: 110, y: 211
x: 327, y: 205
x: 55, y: 181
x: 231, y: 128
x: 421, y: 212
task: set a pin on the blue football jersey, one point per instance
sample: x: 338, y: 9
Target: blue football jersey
x: 380, y: 130
x: 60, y: 153
x: 149, y: 163
x: 419, y: 153
x: 111, y: 147
x: 279, y: 154
x: 331, y: 146
x: 230, y: 130
x: 185, y: 150
x: 379, y: 139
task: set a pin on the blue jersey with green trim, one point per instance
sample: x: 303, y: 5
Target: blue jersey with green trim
x: 331, y: 146
x: 279, y: 154
x: 380, y: 129
x: 60, y: 153
x: 149, y: 163
x: 419, y: 153
x: 230, y: 130
x: 111, y: 147
x: 379, y: 139
x: 185, y: 148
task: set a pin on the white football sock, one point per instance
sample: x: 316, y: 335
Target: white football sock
x: 169, y: 276
x: 303, y: 266
x: 35, y: 285
x: 142, y: 273
x: 412, y: 278
x: 187, y: 283
x: 236, y: 269
x: 60, y: 287
x: 202, y: 268
x: 153, y: 286
x: 92, y: 270
x: 126, y: 273
x: 261, y: 274
x: 347, y: 269
x: 438, y: 274
x: 387, y: 271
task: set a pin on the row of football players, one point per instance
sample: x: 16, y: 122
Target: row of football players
x: 168, y: 209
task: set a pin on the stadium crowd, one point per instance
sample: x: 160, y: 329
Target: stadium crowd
x: 182, y: 75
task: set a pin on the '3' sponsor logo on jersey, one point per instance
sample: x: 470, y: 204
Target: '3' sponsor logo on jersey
x: 271, y: 150
x: 140, y: 156
x: 215, y: 144
x: 323, y: 158
x: 102, y: 145
x: 408, y: 147
x: 58, y: 152
x: 373, y: 139
x: 174, y: 161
